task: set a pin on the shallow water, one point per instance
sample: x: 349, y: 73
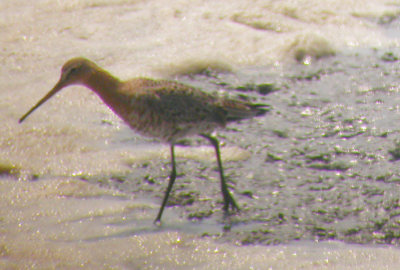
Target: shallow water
x: 66, y: 223
x: 80, y: 189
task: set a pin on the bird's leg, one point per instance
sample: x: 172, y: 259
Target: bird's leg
x: 172, y: 177
x: 228, y: 199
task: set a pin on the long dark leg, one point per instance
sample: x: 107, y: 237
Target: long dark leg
x: 172, y: 177
x: 228, y: 199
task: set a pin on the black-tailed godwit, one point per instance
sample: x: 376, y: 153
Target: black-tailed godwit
x: 162, y: 109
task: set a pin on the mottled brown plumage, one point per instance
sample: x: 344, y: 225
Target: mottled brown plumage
x: 163, y: 109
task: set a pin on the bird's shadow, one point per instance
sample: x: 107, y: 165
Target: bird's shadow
x: 131, y: 227
x: 139, y: 220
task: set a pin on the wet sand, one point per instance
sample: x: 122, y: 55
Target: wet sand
x: 317, y: 178
x: 323, y: 164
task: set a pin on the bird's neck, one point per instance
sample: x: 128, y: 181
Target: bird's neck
x: 108, y: 88
x: 102, y: 82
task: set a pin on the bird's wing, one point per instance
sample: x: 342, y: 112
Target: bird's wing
x: 177, y: 102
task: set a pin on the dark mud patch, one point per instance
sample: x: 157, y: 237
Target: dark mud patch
x: 324, y: 161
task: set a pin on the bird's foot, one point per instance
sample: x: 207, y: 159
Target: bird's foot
x: 230, y: 202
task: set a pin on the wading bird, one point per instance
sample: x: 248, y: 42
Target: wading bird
x: 162, y: 109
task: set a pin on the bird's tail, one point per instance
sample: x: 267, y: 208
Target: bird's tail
x: 260, y: 109
x: 237, y: 110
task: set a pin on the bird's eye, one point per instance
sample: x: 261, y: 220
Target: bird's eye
x: 73, y: 70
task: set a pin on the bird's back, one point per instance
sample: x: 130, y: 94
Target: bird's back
x: 170, y: 110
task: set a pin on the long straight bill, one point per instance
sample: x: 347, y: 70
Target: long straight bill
x: 52, y: 92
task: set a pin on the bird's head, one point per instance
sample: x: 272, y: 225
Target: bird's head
x: 74, y: 71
